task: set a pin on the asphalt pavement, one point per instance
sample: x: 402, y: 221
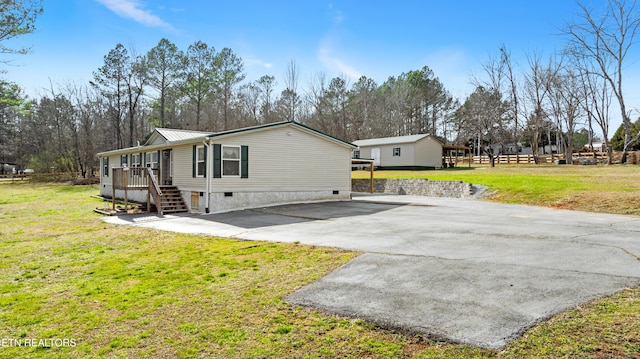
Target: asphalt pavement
x: 458, y: 270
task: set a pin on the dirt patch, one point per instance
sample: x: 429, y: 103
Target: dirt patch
x: 602, y: 202
x: 85, y: 181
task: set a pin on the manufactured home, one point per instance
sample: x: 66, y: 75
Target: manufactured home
x: 403, y: 152
x: 277, y: 163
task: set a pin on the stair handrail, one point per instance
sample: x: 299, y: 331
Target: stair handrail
x: 155, y: 190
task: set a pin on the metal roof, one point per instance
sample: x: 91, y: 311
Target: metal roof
x: 173, y: 135
x: 389, y: 140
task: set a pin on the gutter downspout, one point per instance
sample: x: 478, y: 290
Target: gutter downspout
x: 209, y: 155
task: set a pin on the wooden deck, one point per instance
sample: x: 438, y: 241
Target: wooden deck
x: 145, y: 179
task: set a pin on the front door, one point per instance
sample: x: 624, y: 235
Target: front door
x: 166, y: 167
x: 375, y: 156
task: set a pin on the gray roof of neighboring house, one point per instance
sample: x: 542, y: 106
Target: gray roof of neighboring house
x: 389, y: 140
x: 173, y: 135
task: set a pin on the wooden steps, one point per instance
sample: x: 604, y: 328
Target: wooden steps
x: 171, y: 200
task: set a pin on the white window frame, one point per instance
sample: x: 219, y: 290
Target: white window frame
x: 201, y: 160
x: 238, y: 160
x: 105, y: 166
x: 149, y: 159
x: 135, y: 160
x: 396, y: 151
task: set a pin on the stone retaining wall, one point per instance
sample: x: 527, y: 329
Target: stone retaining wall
x: 414, y: 187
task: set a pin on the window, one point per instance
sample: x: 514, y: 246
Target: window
x: 396, y: 152
x: 123, y: 160
x: 105, y: 167
x: 356, y: 154
x: 135, y: 160
x: 151, y: 159
x: 230, y: 160
x: 201, y: 161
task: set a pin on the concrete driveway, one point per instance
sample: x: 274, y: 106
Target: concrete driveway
x: 458, y: 270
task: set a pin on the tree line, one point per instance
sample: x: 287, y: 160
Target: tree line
x: 544, y: 104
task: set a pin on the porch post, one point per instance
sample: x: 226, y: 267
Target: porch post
x: 371, y: 177
x: 113, y: 188
x: 148, y: 191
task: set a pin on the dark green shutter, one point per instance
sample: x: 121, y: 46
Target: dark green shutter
x: 159, y: 158
x: 106, y: 165
x: 194, y: 163
x: 217, y: 161
x: 143, y: 159
x: 244, y: 162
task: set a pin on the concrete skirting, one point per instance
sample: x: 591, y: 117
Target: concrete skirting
x: 231, y: 201
x: 138, y: 196
x: 414, y: 187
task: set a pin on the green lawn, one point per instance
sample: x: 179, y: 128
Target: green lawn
x: 609, y: 189
x: 138, y: 293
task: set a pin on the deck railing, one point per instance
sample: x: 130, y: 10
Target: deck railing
x: 154, y: 190
x: 137, y: 178
x: 131, y: 177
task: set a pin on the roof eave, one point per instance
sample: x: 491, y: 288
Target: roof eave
x: 146, y: 148
x: 279, y: 124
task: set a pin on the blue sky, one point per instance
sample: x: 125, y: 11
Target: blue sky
x: 351, y: 38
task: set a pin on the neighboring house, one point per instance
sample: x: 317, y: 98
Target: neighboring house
x: 403, y: 152
x: 7, y: 168
x: 276, y: 163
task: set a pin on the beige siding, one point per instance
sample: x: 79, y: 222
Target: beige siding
x: 183, y: 170
x: 428, y: 153
x: 114, y: 161
x: 406, y: 158
x: 365, y: 152
x: 106, y: 181
x: 288, y: 159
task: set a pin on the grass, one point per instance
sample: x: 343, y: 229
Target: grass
x: 124, y: 292
x: 603, y: 189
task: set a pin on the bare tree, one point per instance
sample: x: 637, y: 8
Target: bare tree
x: 266, y: 86
x: 250, y: 95
x: 291, y: 91
x: 496, y: 128
x: 566, y: 105
x: 597, y: 96
x: 505, y: 58
x: 604, y: 42
x: 536, y: 94
x: 486, y: 114
x: 315, y: 98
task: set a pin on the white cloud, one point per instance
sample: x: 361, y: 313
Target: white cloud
x: 251, y: 62
x: 132, y: 9
x: 335, y: 64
